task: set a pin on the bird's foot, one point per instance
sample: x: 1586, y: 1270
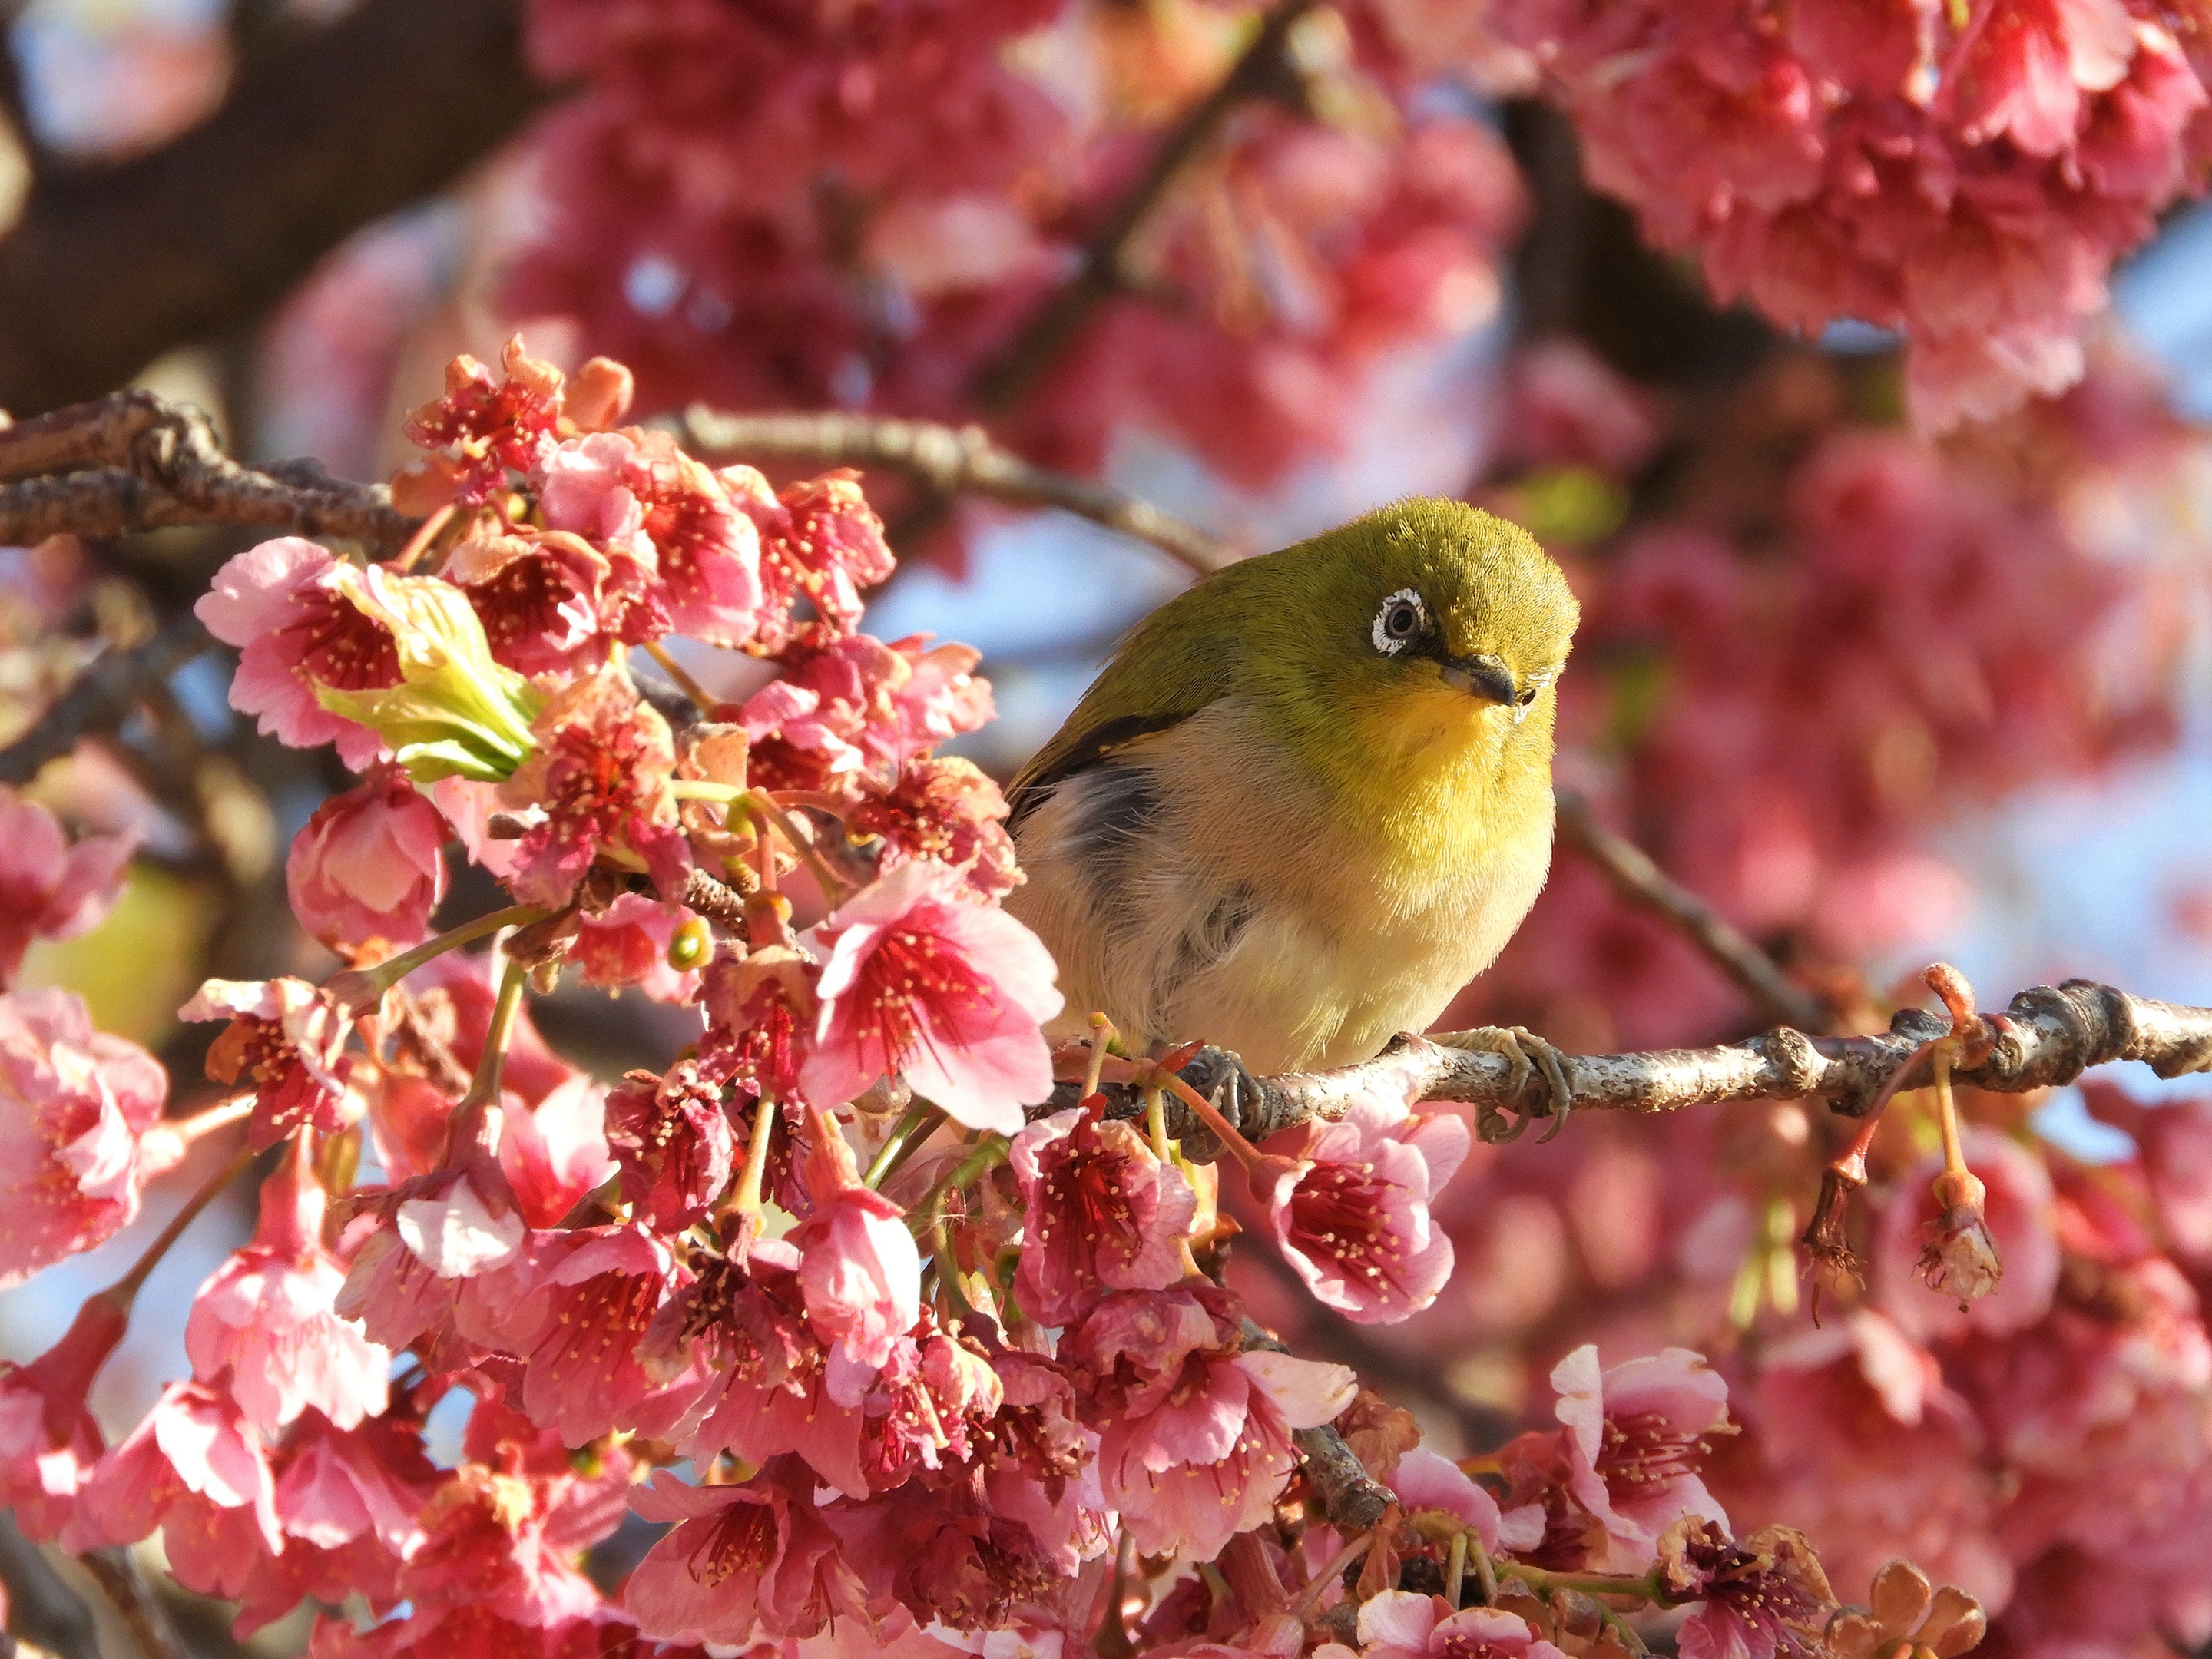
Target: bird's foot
x: 1526, y: 1054
x: 1220, y: 1076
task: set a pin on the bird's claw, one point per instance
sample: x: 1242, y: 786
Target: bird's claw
x: 1525, y: 1055
x: 1220, y: 1076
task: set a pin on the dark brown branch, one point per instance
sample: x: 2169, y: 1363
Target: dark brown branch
x: 134, y: 461
x: 103, y: 697
x: 1353, y: 1499
x: 946, y: 460
x: 110, y: 266
x: 1003, y: 382
x: 124, y: 1581
x: 1636, y: 878
x: 43, y: 1610
x: 2048, y: 1037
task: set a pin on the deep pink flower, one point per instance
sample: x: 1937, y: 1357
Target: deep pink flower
x: 494, y: 1540
x: 1763, y: 1596
x: 1637, y: 1435
x: 281, y: 604
x: 1403, y: 1625
x: 347, y: 1504
x: 1350, y: 1208
x: 938, y: 1397
x: 550, y: 602
x: 554, y: 1152
x: 858, y: 1267
x: 572, y: 1306
x: 627, y: 943
x: 917, y: 979
x: 858, y: 705
x: 1100, y: 1212
x: 1426, y: 1481
x: 48, y: 888
x: 1195, y: 1438
x: 369, y: 864
x: 266, y: 1317
x: 193, y: 1465
x: 819, y: 541
x: 600, y: 777
x: 672, y: 1137
x: 49, y: 1442
x: 78, y: 1136
x: 741, y: 1560
x: 287, y: 1041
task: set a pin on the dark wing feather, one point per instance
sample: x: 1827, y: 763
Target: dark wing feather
x: 1063, y: 759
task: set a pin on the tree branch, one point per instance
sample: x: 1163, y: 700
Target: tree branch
x: 2048, y: 1037
x: 124, y: 1581
x: 110, y: 266
x: 134, y: 461
x: 946, y: 460
x: 103, y: 697
x: 1353, y: 1499
x: 1004, y: 380
x: 1636, y: 878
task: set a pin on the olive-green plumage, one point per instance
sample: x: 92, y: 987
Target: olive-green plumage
x: 1309, y: 799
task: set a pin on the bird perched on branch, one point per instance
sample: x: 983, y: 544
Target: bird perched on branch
x: 1310, y: 798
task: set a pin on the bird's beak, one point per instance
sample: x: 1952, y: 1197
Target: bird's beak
x: 1485, y: 677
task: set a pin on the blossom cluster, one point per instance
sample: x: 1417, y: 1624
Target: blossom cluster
x: 888, y: 1346
x: 1966, y: 173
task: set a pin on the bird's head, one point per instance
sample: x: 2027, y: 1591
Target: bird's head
x: 1425, y: 625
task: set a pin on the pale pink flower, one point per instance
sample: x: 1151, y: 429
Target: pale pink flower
x: 916, y: 980
x: 193, y: 1465
x: 1350, y: 1207
x: 858, y: 1267
x: 369, y: 864
x: 741, y: 1560
x: 1100, y: 1212
x: 287, y: 1041
x: 49, y: 1440
x: 48, y: 888
x: 266, y: 1317
x: 282, y: 606
x: 78, y: 1136
x: 1404, y: 1624
x: 1195, y: 1437
x: 1637, y: 1435
x: 1424, y: 1480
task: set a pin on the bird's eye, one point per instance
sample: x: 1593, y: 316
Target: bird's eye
x: 1403, y: 619
x: 1528, y: 694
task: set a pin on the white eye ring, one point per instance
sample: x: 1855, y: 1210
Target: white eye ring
x: 1390, y: 642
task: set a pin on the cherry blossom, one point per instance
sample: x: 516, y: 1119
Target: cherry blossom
x: 1401, y: 1625
x: 79, y: 1111
x: 861, y: 1272
x: 1638, y: 1433
x: 1100, y: 1212
x: 287, y: 1041
x: 50, y: 888
x: 49, y: 1440
x: 193, y: 1468
x: 369, y: 864
x: 917, y: 981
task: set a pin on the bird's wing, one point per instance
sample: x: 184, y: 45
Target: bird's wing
x: 1176, y: 662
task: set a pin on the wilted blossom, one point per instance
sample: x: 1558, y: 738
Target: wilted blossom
x: 49, y: 1442
x: 262, y: 1324
x: 1349, y: 1204
x: 1100, y: 1212
x: 369, y: 864
x: 948, y: 809
x: 1763, y: 1596
x: 286, y: 1041
x: 627, y: 943
x: 673, y: 1142
x: 78, y: 1111
x: 485, y: 430
x: 1637, y: 1435
x: 1904, y: 1612
x: 50, y: 888
x: 918, y: 981
x: 1990, y: 1266
x: 819, y: 541
x: 860, y: 707
x: 599, y: 786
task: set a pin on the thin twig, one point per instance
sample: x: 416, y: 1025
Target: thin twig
x: 1103, y: 272
x: 946, y: 460
x: 2048, y: 1037
x: 1353, y: 1499
x: 102, y: 697
x: 1642, y: 883
x: 124, y: 1581
x: 136, y: 461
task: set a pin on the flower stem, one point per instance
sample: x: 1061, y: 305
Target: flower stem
x: 1643, y: 1587
x: 748, y: 1195
x: 1455, y: 1568
x: 1947, y: 1112
x: 200, y: 1125
x: 1156, y: 1125
x: 1247, y: 1155
x: 759, y: 804
x: 989, y: 1153
x: 123, y: 1289
x: 1102, y: 1034
x: 484, y: 1088
x: 706, y: 701
x: 1309, y: 1597
x: 887, y: 1155
x: 363, y: 988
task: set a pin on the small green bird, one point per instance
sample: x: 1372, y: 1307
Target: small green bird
x: 1310, y: 798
